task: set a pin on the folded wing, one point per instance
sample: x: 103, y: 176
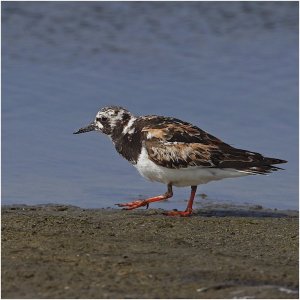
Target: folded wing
x: 176, y: 144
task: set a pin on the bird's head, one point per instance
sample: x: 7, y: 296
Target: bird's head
x: 109, y: 120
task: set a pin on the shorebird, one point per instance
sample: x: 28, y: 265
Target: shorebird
x: 175, y: 153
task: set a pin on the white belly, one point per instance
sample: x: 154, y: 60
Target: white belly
x: 184, y: 176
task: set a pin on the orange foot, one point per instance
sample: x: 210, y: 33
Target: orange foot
x: 174, y: 213
x: 139, y: 203
x: 133, y: 204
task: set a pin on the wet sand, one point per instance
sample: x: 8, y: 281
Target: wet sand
x: 69, y: 252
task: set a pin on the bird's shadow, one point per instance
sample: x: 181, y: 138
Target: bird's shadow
x: 235, y: 212
x: 244, y: 213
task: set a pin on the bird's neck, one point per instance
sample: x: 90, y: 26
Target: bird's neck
x: 123, y: 127
x: 127, y: 139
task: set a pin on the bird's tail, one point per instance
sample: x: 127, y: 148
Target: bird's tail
x: 266, y: 166
x: 273, y: 161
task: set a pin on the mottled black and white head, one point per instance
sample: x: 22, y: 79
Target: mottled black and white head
x: 110, y: 120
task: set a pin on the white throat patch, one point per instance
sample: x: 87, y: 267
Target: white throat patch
x: 129, y: 127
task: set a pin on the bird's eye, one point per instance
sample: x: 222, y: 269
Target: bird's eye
x: 101, y: 119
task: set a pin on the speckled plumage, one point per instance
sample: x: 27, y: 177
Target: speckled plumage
x: 175, y: 152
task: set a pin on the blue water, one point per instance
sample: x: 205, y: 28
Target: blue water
x: 229, y: 68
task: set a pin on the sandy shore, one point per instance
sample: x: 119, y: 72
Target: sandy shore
x: 68, y: 252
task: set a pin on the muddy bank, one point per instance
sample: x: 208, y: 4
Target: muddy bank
x: 68, y: 252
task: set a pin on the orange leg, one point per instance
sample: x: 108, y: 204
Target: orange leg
x: 189, y: 208
x: 139, y: 203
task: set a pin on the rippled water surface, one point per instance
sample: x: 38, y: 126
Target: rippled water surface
x: 229, y: 68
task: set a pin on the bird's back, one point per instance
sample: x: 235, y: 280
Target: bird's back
x: 176, y: 144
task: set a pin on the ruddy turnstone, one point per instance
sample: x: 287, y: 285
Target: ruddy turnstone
x: 175, y: 152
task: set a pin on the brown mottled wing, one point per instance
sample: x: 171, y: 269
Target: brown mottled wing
x: 178, y: 155
x: 175, y: 144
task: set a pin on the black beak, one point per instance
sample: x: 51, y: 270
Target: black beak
x: 90, y: 127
